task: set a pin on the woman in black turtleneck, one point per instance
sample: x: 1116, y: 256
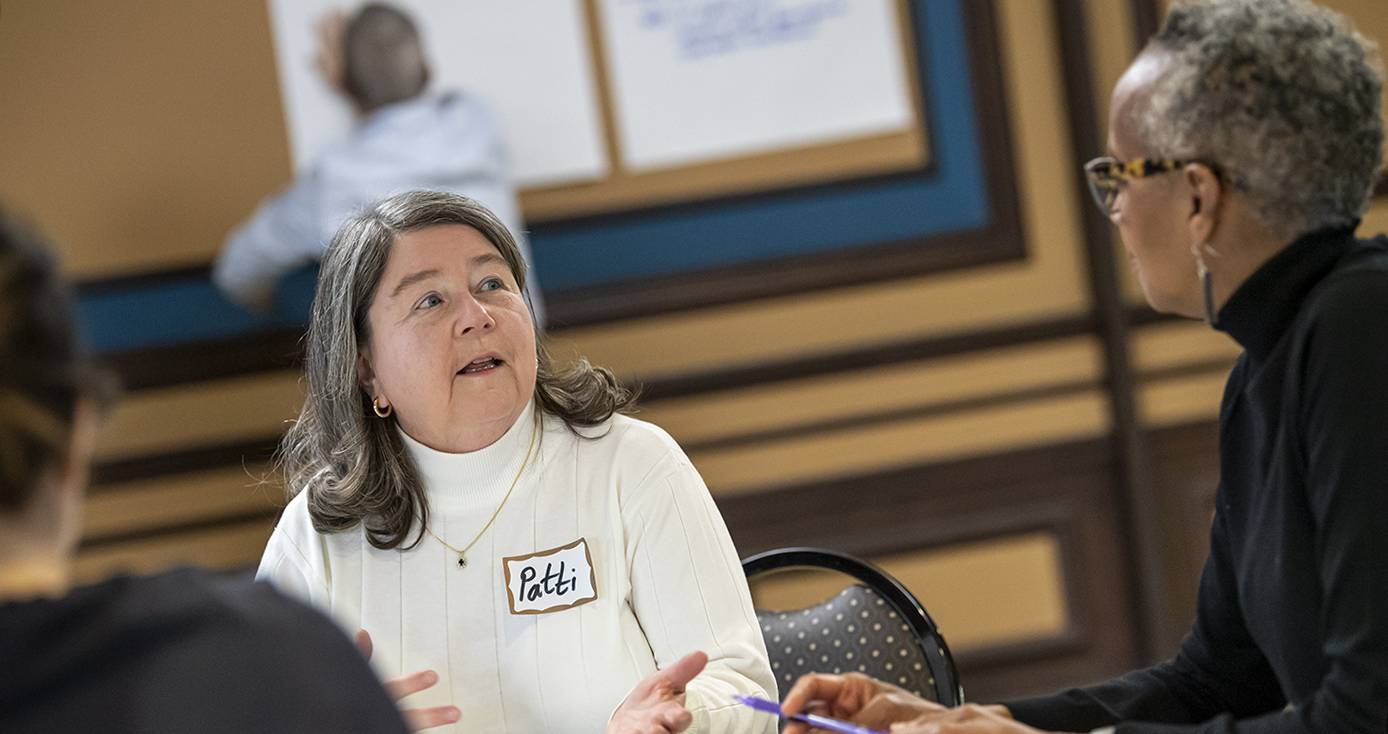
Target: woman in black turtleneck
x: 1245, y: 140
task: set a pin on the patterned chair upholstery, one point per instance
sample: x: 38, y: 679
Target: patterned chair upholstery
x: 875, y: 627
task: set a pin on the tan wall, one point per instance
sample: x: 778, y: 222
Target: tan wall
x: 138, y: 133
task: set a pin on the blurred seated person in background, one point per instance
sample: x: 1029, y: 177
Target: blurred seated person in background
x: 405, y: 139
x: 1245, y: 141
x: 184, y: 651
x: 490, y: 515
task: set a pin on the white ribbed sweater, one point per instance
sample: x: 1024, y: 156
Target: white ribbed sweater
x: 668, y: 581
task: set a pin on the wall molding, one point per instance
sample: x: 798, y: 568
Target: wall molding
x: 1000, y: 240
x: 1062, y: 489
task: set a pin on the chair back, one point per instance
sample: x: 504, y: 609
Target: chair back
x: 875, y: 627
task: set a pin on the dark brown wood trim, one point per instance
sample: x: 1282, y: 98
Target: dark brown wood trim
x: 137, y: 281
x: 610, y: 302
x: 1192, y: 369
x: 181, y: 462
x: 1137, y: 505
x: 166, y: 531
x: 1187, y: 461
x: 1146, y: 21
x: 1001, y: 240
x: 168, y: 365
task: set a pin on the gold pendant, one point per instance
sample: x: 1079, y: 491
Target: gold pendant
x: 462, y: 561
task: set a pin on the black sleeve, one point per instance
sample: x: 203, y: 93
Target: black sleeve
x: 1345, y: 413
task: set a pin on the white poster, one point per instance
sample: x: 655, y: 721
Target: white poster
x: 529, y: 60
x: 699, y: 80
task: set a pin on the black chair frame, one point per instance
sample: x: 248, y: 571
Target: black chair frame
x: 947, y: 688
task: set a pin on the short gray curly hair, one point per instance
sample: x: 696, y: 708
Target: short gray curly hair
x: 1283, y: 97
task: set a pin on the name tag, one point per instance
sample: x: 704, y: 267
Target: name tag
x: 552, y: 580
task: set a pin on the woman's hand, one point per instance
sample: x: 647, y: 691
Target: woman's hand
x: 967, y: 719
x: 853, y: 697
x: 656, y: 704
x: 331, y: 29
x: 398, y: 688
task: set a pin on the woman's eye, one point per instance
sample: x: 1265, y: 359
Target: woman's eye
x: 491, y: 284
x: 430, y: 301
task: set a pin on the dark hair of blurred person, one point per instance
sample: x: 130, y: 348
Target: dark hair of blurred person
x: 383, y: 60
x: 182, y: 651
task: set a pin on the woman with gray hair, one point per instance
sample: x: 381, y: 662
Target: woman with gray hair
x: 489, y: 517
x: 1245, y: 140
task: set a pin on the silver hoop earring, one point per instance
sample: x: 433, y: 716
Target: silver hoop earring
x: 1207, y: 286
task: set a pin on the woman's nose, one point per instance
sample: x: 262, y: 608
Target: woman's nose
x: 472, y: 315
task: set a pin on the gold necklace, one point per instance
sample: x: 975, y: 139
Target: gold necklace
x: 462, y: 554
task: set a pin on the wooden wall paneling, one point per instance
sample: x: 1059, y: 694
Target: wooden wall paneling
x: 833, y: 399
x: 1376, y: 218
x: 1186, y: 461
x: 1147, y: 18
x: 863, y: 449
x: 1000, y: 591
x: 1139, y: 511
x: 1064, y: 490
x: 169, y: 365
x: 1112, y: 50
x: 200, y: 415
x: 216, y: 544
x: 141, y: 507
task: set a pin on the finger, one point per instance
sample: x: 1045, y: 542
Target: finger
x: 404, y: 685
x: 683, y: 670
x: 894, y: 706
x: 675, y: 718
x: 363, y: 642
x: 812, y: 687
x: 428, y: 718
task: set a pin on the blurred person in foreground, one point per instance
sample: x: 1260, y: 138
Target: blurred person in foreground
x: 485, y: 513
x: 184, y: 651
x: 405, y: 138
x: 1245, y: 140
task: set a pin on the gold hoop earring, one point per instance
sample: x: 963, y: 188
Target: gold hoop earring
x: 376, y: 406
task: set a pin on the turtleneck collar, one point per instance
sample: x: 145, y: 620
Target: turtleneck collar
x: 479, y: 478
x: 1263, y: 306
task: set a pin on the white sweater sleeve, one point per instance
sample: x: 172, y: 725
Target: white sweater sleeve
x: 282, y: 236
x: 689, y: 593
x: 287, y: 566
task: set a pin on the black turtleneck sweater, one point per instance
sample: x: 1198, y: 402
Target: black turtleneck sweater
x: 1293, y: 602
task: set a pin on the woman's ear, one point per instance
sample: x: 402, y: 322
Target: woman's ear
x: 1206, y: 197
x: 366, y: 374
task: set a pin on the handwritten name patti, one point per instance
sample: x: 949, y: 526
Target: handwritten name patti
x: 551, y: 580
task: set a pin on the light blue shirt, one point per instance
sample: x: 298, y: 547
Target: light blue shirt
x: 446, y: 142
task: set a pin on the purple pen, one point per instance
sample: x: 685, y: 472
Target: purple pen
x: 822, y: 722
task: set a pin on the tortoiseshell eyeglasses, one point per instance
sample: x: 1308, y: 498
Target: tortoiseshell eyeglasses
x: 1108, y: 177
